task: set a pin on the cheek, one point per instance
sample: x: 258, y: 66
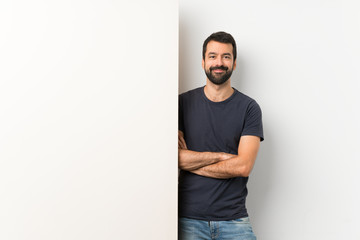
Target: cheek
x: 230, y: 65
x: 205, y: 66
x: 208, y: 64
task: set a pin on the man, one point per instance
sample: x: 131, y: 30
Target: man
x: 220, y: 130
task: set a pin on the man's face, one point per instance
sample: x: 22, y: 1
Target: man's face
x: 219, y: 62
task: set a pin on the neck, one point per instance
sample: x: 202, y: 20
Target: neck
x: 218, y: 93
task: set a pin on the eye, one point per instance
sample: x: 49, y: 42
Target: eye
x: 211, y: 56
x: 227, y: 57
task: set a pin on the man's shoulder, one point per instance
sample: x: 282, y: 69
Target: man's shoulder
x: 244, y: 98
x: 192, y: 93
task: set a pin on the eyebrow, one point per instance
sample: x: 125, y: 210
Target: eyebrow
x: 214, y: 53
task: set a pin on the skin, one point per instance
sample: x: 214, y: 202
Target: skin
x: 218, y: 54
x: 218, y: 164
x: 192, y: 161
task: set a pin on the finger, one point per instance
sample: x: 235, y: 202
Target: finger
x: 182, y: 140
x: 185, y: 146
x: 183, y: 143
x: 180, y: 144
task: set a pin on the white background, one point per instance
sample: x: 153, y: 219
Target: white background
x: 300, y: 61
x: 88, y: 119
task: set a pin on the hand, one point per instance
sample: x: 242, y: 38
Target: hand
x: 181, y: 140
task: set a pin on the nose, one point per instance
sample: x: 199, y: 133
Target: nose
x: 219, y: 61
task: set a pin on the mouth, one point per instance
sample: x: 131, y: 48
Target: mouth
x: 218, y: 70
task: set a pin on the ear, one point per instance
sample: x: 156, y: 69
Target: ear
x: 203, y: 64
x: 234, y: 65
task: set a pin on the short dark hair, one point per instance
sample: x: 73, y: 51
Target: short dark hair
x: 222, y: 37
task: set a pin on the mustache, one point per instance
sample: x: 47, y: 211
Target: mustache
x: 219, y: 67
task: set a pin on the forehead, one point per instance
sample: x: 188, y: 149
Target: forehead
x: 219, y: 48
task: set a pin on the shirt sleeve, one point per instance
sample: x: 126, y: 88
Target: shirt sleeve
x: 253, y: 121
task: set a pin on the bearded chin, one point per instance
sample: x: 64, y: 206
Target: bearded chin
x: 218, y: 80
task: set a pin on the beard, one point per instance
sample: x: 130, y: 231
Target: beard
x: 218, y: 78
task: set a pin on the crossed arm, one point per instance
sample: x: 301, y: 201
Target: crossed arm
x: 218, y: 164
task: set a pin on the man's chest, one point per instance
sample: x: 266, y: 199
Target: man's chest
x: 213, y: 128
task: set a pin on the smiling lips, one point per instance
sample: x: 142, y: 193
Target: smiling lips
x: 220, y: 69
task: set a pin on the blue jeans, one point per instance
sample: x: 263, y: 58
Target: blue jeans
x: 238, y: 229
